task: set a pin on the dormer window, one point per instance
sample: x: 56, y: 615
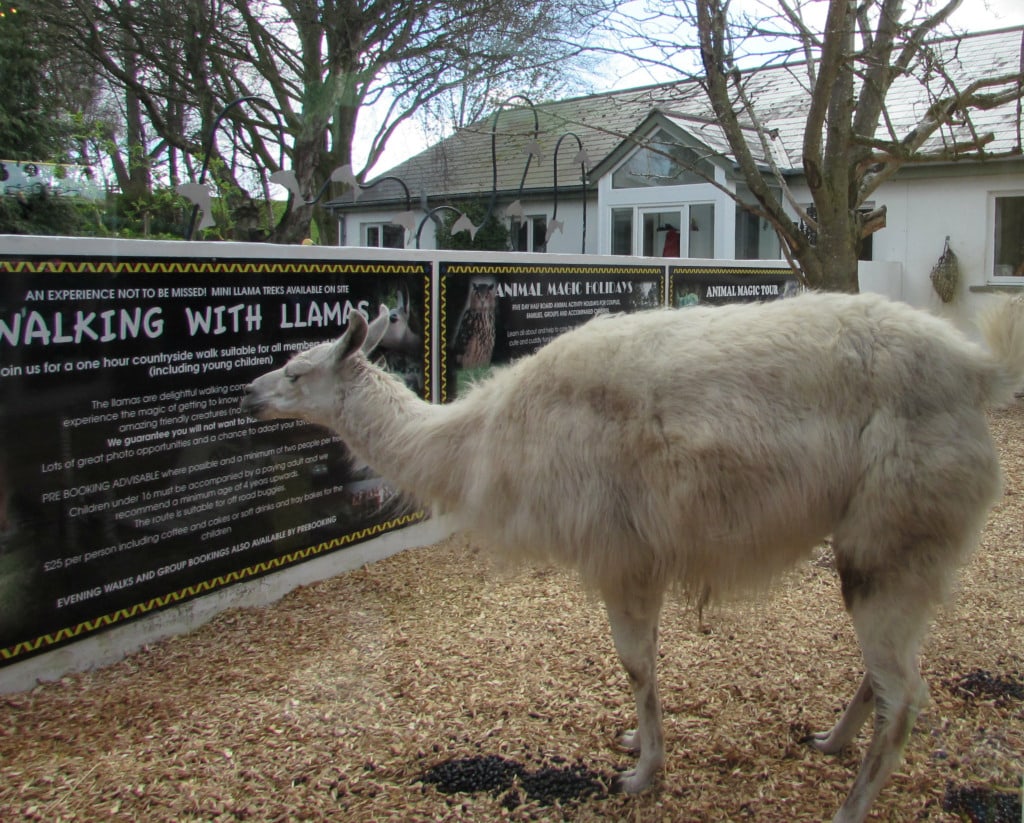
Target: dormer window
x: 662, y: 161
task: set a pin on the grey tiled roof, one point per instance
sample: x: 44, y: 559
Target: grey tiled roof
x: 461, y: 164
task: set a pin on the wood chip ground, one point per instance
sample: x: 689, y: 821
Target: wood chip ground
x: 334, y: 702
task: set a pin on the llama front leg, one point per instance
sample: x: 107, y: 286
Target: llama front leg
x: 634, y: 624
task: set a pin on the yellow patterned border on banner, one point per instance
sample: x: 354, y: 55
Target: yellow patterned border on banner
x: 75, y: 266
x: 428, y: 302
x: 442, y: 348
x: 750, y: 270
x: 547, y: 268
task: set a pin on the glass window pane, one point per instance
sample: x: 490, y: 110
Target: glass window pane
x: 622, y: 231
x: 394, y: 236
x: 747, y: 235
x: 1009, y: 240
x: 540, y: 233
x: 662, y: 162
x: 661, y: 234
x: 519, y: 235
x: 702, y: 231
x: 755, y: 237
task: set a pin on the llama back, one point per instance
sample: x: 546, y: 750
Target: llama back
x: 720, y: 444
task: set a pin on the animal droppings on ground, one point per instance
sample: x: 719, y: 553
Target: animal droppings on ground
x: 547, y: 785
x: 983, y: 685
x: 981, y: 805
x: 488, y: 773
x: 552, y: 784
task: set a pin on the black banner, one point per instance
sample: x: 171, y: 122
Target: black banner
x: 495, y: 313
x: 129, y: 480
x: 716, y: 285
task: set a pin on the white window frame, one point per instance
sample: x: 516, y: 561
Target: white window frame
x: 640, y: 216
x: 381, y: 228
x: 993, y: 276
x: 682, y: 209
x: 667, y: 198
x: 531, y: 221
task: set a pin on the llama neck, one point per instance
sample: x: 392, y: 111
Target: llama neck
x: 403, y: 437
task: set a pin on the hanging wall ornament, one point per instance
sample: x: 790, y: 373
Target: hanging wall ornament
x: 946, y: 274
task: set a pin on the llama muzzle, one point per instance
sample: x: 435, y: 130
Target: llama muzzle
x: 251, y: 403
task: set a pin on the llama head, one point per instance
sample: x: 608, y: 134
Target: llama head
x: 398, y: 336
x: 309, y: 386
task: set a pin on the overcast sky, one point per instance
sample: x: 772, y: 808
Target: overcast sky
x: 975, y: 14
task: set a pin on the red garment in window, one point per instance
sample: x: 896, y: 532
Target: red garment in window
x: 671, y: 244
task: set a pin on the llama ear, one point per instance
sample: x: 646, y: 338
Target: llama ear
x: 376, y: 330
x: 352, y: 340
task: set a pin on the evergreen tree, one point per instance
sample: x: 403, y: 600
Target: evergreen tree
x: 29, y: 127
x: 491, y: 234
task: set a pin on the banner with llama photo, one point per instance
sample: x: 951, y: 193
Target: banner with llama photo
x: 493, y: 313
x: 129, y: 479
x: 717, y: 285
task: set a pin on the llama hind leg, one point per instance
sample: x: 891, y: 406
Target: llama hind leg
x: 857, y: 712
x: 890, y: 621
x: 634, y: 624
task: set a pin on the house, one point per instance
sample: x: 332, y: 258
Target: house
x: 628, y: 173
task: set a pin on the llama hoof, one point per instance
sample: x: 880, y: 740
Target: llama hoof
x: 630, y: 741
x: 822, y: 742
x: 633, y: 781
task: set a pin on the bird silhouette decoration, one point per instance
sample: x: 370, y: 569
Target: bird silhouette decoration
x: 286, y: 178
x: 345, y: 176
x: 465, y: 224
x: 200, y: 195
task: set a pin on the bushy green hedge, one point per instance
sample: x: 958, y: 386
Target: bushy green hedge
x: 491, y: 235
x: 163, y: 215
x: 41, y: 213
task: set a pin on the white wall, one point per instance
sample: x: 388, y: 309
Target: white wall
x: 881, y: 277
x: 569, y: 241
x: 926, y: 206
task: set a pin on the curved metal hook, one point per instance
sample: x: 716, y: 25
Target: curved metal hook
x: 208, y: 149
x: 581, y: 155
x: 355, y: 185
x: 494, y: 150
x: 429, y: 215
x: 377, y: 182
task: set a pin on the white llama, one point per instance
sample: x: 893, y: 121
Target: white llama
x: 706, y: 450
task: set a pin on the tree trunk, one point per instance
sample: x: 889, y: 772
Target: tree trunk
x: 137, y: 185
x: 837, y: 250
x: 294, y: 225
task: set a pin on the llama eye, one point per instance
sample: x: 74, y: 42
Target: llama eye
x: 292, y: 378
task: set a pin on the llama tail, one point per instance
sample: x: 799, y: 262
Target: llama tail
x: 1002, y: 327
